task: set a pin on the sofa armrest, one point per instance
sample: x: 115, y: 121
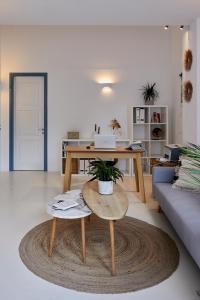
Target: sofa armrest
x: 163, y: 174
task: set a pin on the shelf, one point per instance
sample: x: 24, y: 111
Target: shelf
x: 158, y: 140
x: 154, y: 148
x: 161, y: 123
x: 141, y: 123
x: 138, y: 139
x: 148, y: 106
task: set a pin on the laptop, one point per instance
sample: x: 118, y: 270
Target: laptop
x: 102, y: 141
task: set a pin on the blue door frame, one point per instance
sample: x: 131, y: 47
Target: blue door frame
x: 11, y: 116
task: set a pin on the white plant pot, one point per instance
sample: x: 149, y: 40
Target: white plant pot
x: 105, y: 187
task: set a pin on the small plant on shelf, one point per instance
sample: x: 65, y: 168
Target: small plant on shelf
x: 106, y: 173
x: 149, y: 93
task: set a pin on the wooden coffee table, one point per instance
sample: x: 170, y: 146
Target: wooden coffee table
x: 109, y: 207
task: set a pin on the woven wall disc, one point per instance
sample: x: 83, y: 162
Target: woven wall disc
x: 188, y: 60
x: 188, y: 91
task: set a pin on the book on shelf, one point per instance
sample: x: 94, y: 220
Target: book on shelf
x: 140, y: 115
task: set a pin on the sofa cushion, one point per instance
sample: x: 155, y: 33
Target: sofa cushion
x: 182, y: 208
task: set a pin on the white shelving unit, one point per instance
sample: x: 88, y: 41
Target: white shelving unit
x: 81, y: 166
x: 142, y: 130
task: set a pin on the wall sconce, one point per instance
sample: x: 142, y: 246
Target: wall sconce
x: 106, y: 88
x: 106, y: 79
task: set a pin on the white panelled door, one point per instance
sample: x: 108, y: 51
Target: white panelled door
x: 28, y: 123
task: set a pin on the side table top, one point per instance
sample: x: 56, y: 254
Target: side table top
x: 108, y: 207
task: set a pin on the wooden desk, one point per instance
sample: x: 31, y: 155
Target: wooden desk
x: 119, y: 152
x: 108, y: 207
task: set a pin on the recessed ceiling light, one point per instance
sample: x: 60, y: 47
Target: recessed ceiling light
x: 181, y: 27
x: 166, y: 27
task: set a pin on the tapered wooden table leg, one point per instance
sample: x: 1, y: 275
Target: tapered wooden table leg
x: 140, y: 177
x: 136, y: 175
x: 83, y: 239
x: 67, y: 177
x: 112, y: 240
x: 52, y: 237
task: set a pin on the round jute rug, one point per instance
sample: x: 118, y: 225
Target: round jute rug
x: 145, y: 255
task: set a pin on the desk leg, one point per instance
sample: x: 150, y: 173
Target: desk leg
x: 140, y: 176
x: 136, y: 175
x: 52, y: 237
x: 112, y: 240
x: 83, y: 239
x: 67, y: 178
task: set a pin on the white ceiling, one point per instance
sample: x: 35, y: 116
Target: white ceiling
x: 98, y: 12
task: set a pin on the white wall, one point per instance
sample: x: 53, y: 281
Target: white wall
x: 198, y: 82
x: 176, y: 61
x: 191, y: 110
x: 72, y: 56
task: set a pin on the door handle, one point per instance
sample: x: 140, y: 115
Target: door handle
x: 42, y: 130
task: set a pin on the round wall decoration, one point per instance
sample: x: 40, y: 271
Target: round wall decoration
x: 188, y: 60
x: 188, y: 91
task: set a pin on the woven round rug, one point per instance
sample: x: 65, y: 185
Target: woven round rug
x: 145, y: 255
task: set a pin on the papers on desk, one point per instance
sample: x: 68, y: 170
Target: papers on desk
x: 70, y: 199
x: 64, y: 204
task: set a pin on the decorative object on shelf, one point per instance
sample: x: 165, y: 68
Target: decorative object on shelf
x: 157, y: 133
x: 106, y: 173
x: 155, y: 118
x: 188, y: 58
x: 97, y: 130
x: 188, y: 91
x: 149, y: 93
x: 73, y: 135
x: 115, y: 126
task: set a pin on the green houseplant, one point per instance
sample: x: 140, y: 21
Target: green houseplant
x: 189, y: 171
x: 106, y: 173
x: 191, y: 152
x: 149, y: 93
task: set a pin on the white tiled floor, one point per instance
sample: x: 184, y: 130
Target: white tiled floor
x: 23, y: 197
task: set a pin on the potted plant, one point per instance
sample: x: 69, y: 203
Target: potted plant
x: 106, y: 173
x: 149, y: 93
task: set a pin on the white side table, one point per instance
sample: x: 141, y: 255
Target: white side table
x: 78, y: 212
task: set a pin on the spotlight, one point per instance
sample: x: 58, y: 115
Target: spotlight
x: 181, y: 27
x: 166, y: 27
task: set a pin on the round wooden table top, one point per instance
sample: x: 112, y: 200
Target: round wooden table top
x: 108, y: 207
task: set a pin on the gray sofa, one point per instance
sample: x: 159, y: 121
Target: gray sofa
x: 181, y: 207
